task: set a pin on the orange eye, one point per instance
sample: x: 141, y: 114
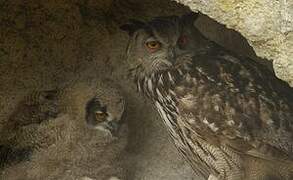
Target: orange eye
x: 101, y: 116
x: 153, y: 45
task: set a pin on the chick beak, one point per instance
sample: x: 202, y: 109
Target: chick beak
x: 113, y: 127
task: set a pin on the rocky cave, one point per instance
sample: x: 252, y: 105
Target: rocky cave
x: 77, y: 45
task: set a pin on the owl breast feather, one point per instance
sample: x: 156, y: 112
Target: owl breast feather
x: 226, y: 99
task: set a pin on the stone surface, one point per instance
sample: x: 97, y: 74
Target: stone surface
x: 72, y: 43
x: 266, y: 24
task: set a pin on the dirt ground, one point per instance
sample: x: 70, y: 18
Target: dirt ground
x: 76, y: 46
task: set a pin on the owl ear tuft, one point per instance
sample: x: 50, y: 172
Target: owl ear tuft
x: 132, y: 26
x: 189, y: 18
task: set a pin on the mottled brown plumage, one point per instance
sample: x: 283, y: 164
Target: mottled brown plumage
x: 19, y: 137
x: 228, y: 115
x: 35, y: 109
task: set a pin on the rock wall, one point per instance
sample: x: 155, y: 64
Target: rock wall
x: 266, y: 24
x: 73, y: 44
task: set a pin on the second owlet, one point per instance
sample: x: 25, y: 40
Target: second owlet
x: 229, y: 116
x: 104, y: 111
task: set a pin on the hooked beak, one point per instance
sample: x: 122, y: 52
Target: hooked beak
x: 112, y: 126
x: 177, y: 55
x: 172, y: 55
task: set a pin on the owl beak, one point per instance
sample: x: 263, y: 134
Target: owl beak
x: 113, y: 127
x: 172, y: 56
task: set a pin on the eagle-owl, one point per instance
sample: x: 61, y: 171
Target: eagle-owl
x: 104, y: 111
x: 230, y: 117
x: 35, y: 109
x: 20, y: 136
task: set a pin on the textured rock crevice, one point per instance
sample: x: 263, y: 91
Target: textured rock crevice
x: 77, y: 45
x: 72, y: 44
x: 267, y: 25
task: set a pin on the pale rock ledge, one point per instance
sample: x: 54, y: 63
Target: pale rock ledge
x: 266, y: 24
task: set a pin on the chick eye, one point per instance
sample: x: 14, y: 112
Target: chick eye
x: 153, y: 45
x: 101, y: 116
x: 182, y: 41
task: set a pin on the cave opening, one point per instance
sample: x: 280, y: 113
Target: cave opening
x: 78, y: 46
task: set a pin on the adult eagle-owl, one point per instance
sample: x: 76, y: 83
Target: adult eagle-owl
x: 228, y: 115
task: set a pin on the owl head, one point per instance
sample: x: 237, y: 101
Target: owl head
x: 104, y: 116
x: 159, y: 44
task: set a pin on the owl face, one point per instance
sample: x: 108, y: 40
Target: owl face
x: 160, y: 44
x: 98, y: 117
